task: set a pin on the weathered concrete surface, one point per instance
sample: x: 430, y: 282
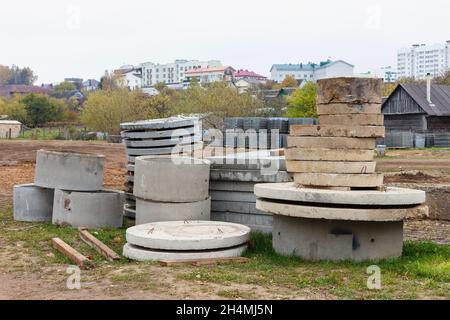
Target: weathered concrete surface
x: 181, y: 148
x: 349, y: 90
x: 322, y: 154
x: 331, y: 166
x: 69, y: 171
x: 188, y: 235
x: 236, y: 196
x: 231, y: 186
x: 234, y: 206
x: 290, y: 192
x: 154, y: 134
x: 142, y: 254
x: 155, y: 124
x: 368, y: 180
x: 352, y: 119
x: 256, y: 222
x: 338, y: 131
x: 331, y: 142
x: 334, y: 240
x: 250, y: 162
x: 103, y: 209
x: 150, y: 211
x: 348, y: 108
x: 249, y: 175
x: 341, y: 213
x: 171, y: 179
x: 32, y: 203
x: 129, y: 211
x: 150, y: 143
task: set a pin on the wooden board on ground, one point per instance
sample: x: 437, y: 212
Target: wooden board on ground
x: 352, y: 119
x: 74, y: 256
x: 331, y: 142
x: 203, y: 262
x: 323, y: 154
x: 371, y: 180
x: 337, y: 131
x: 330, y: 166
x: 99, y: 246
x: 348, y: 108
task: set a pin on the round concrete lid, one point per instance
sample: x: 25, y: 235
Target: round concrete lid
x: 290, y: 192
x: 173, y: 122
x: 188, y: 235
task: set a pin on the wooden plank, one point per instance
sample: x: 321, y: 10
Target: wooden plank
x: 321, y: 154
x: 331, y: 142
x: 74, y: 256
x: 99, y: 246
x: 203, y: 262
x: 337, y: 131
x: 352, y: 119
x: 347, y: 108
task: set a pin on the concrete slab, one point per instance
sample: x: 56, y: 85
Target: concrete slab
x: 340, y: 213
x: 32, y: 203
x: 349, y: 90
x: 322, y: 154
x: 142, y: 254
x: 236, y: 196
x: 103, y: 209
x: 184, y: 148
x: 338, y: 131
x: 171, y: 179
x: 256, y: 222
x: 153, y: 134
x: 249, y: 175
x: 166, y: 123
x: 352, y: 119
x: 334, y: 240
x: 69, y: 171
x: 290, y: 192
x: 248, y: 163
x: 368, y: 180
x: 238, y: 207
x: 331, y: 166
x: 231, y: 186
x: 348, y: 108
x: 169, y: 142
x: 188, y: 235
x: 331, y: 142
x: 150, y: 211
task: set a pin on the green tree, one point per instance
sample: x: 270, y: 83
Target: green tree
x: 288, y: 82
x: 14, y: 109
x: 21, y: 76
x: 42, y: 109
x: 5, y: 74
x: 302, y: 102
x: 65, y: 86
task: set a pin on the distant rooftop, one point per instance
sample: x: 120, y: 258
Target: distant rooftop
x: 310, y: 66
x: 247, y: 74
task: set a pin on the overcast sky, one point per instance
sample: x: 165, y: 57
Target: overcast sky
x: 83, y: 38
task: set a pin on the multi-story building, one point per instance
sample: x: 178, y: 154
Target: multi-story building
x: 169, y: 73
x: 208, y: 75
x: 420, y: 59
x: 388, y: 74
x: 311, y: 71
x: 129, y: 77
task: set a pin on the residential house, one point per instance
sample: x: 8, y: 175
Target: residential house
x: 245, y: 74
x: 21, y: 89
x: 90, y: 85
x: 247, y: 85
x: 130, y: 77
x: 209, y: 75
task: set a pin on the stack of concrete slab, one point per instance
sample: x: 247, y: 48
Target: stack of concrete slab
x: 68, y: 190
x: 232, y: 180
x: 175, y: 135
x: 171, y: 188
x: 336, y: 208
x: 340, y: 151
x: 185, y: 240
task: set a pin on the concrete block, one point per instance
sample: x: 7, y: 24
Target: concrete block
x: 32, y: 203
x: 336, y: 240
x: 369, y: 180
x: 256, y: 222
x: 233, y: 206
x: 231, y: 186
x: 157, y: 124
x: 352, y: 119
x: 150, y: 211
x: 331, y: 142
x: 155, y: 134
x: 188, y: 235
x: 349, y: 90
x: 249, y: 175
x: 103, y: 209
x: 331, y: 166
x: 248, y: 162
x: 69, y: 171
x: 129, y: 211
x: 352, y: 213
x: 142, y: 254
x: 290, y: 192
x: 348, y: 108
x: 171, y: 179
x: 338, y: 131
x: 168, y: 142
x: 322, y: 154
x: 236, y: 196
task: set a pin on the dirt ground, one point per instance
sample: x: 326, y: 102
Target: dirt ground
x: 24, y: 276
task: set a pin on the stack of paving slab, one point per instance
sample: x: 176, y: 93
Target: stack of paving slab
x: 171, y: 188
x: 175, y: 135
x: 68, y: 190
x: 232, y: 180
x: 337, y: 209
x: 185, y: 240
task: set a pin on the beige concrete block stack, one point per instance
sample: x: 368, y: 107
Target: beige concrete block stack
x: 339, y: 152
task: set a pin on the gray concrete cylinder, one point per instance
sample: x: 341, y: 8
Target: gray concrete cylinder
x: 171, y: 179
x: 102, y: 209
x: 69, y: 171
x: 150, y: 211
x: 33, y: 203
